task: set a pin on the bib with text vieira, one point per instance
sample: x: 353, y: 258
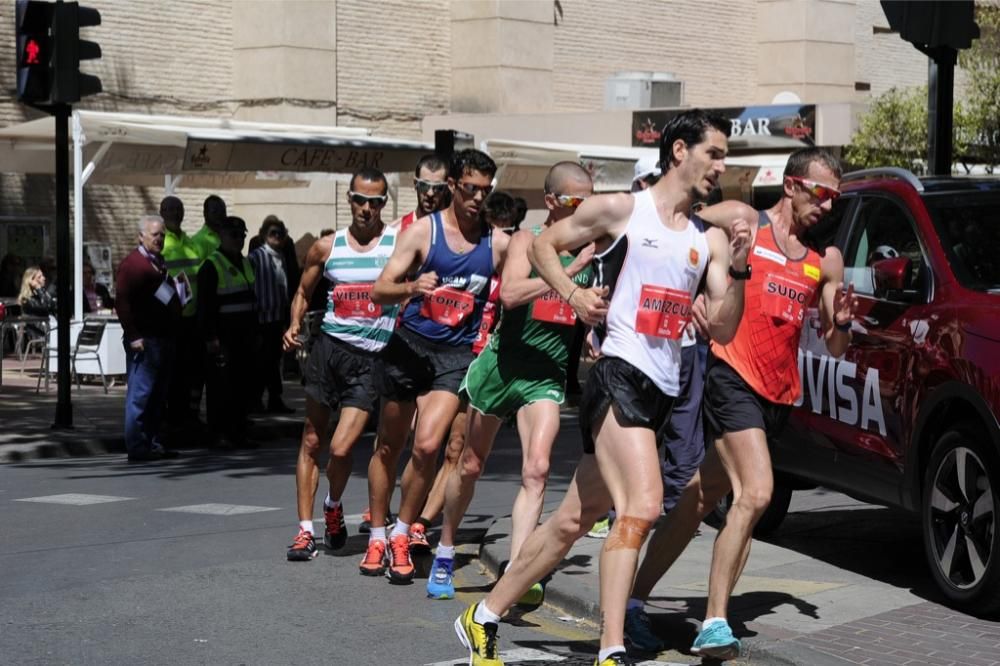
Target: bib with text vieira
x: 552, y: 308
x: 448, y: 306
x: 663, y: 312
x: 355, y: 300
x: 764, y: 351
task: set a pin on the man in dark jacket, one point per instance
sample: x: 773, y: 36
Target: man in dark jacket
x: 149, y: 309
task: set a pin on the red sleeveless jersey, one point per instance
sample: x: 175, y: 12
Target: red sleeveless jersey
x: 765, y: 349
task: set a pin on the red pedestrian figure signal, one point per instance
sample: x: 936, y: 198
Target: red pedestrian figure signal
x: 31, y: 50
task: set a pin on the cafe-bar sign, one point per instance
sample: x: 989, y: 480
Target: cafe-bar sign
x: 758, y: 127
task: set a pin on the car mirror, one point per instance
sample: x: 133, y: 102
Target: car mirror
x: 892, y: 276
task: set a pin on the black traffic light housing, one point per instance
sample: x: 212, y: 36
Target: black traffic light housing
x: 49, y: 52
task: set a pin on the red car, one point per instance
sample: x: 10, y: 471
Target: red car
x: 909, y: 416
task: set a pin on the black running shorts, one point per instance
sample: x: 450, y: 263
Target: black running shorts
x: 338, y: 373
x: 730, y: 404
x: 411, y: 365
x: 637, y: 400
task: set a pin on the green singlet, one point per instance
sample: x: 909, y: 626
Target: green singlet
x: 525, y: 360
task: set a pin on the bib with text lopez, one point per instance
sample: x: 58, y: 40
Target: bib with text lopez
x: 448, y: 306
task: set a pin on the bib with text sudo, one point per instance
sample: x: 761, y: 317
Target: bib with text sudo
x: 448, y: 306
x: 662, y: 312
x: 550, y: 307
x: 784, y: 298
x: 355, y: 300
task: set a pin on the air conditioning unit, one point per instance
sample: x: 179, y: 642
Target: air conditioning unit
x: 643, y: 90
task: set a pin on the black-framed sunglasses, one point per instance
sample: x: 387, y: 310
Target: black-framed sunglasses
x: 424, y: 186
x: 470, y: 189
x: 362, y: 199
x: 276, y: 232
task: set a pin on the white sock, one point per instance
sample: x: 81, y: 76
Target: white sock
x: 608, y: 651
x: 445, y: 552
x: 306, y: 526
x: 400, y: 528
x: 330, y: 503
x: 377, y: 533
x: 709, y: 621
x: 484, y: 614
x: 634, y: 603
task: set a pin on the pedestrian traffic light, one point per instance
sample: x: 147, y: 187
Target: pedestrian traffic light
x: 34, y: 51
x: 69, y: 84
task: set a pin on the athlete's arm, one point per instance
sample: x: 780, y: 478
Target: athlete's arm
x: 723, y: 296
x: 724, y: 214
x: 392, y: 287
x: 311, y: 274
x: 501, y: 246
x: 597, y: 217
x: 836, y: 307
x: 517, y: 288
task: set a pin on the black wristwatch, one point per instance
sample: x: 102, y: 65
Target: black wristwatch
x: 739, y: 275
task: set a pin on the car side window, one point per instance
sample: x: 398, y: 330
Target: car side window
x: 883, y: 231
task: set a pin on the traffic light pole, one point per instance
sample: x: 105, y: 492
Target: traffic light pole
x: 64, y: 406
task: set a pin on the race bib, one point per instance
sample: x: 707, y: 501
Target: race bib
x: 550, y: 307
x: 448, y: 306
x: 784, y: 298
x: 662, y: 312
x: 355, y: 301
x: 485, y: 326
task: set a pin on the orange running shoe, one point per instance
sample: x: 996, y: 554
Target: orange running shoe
x: 400, y: 566
x: 303, y: 548
x: 418, y: 539
x: 374, y: 562
x: 336, y: 531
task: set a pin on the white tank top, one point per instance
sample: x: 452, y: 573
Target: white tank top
x: 350, y: 314
x: 653, y: 274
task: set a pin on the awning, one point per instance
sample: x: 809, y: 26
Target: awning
x: 134, y: 149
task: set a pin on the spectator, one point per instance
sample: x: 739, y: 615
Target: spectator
x: 271, y: 284
x: 95, y: 295
x: 36, y: 301
x: 206, y: 239
x: 149, y: 310
x: 500, y: 211
x: 522, y: 211
x: 228, y: 324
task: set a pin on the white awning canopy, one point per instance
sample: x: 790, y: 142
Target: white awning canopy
x: 216, y: 153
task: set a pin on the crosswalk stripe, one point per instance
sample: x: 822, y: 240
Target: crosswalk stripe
x: 220, y: 509
x: 74, y: 499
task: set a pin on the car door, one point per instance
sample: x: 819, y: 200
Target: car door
x: 857, y: 400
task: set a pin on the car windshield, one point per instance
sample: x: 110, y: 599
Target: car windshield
x: 969, y: 227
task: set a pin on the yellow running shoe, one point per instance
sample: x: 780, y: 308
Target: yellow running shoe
x: 533, y: 598
x: 480, y: 639
x: 617, y: 659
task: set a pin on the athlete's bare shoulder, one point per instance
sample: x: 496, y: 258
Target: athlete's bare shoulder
x: 320, y: 249
x: 607, y: 212
x: 723, y: 214
x: 831, y: 264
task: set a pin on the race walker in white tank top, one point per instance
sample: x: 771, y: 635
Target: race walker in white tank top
x: 653, y: 274
x: 350, y: 314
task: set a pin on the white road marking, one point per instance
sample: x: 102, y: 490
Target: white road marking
x: 220, y: 509
x: 75, y: 499
x: 528, y: 655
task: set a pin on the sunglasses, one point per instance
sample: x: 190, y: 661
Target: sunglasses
x: 471, y: 190
x: 362, y: 199
x: 276, y: 233
x: 569, y: 200
x: 822, y: 192
x: 425, y: 186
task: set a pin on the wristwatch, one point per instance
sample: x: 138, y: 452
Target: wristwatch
x: 739, y: 275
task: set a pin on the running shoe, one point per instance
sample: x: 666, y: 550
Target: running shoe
x: 616, y: 659
x: 418, y: 539
x: 366, y: 520
x: 717, y: 641
x: 601, y: 528
x: 533, y: 598
x: 400, y: 565
x: 335, y: 535
x: 439, y: 583
x: 374, y: 562
x: 639, y: 631
x: 303, y: 548
x: 479, y: 639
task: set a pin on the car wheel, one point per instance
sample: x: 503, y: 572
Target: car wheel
x: 961, y: 510
x: 773, y: 516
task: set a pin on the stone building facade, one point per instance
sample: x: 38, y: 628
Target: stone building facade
x: 385, y: 65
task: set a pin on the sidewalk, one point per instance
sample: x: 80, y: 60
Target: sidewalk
x: 791, y: 606
x: 27, y: 418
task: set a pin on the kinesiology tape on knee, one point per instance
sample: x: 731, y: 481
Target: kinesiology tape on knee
x: 628, y: 532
